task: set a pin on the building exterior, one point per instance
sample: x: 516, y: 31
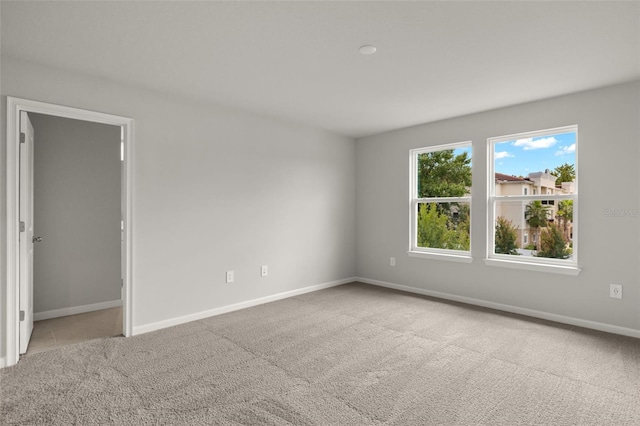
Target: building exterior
x: 538, y: 183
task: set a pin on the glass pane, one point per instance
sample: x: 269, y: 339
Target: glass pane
x: 534, y: 229
x: 536, y: 165
x: 445, y: 173
x: 444, y: 225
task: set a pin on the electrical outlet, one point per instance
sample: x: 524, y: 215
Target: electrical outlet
x: 230, y: 276
x: 615, y: 291
x: 264, y: 271
x: 392, y: 261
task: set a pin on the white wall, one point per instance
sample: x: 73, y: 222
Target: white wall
x: 609, y: 136
x: 215, y: 189
x: 77, y: 213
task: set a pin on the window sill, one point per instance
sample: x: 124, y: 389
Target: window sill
x: 528, y: 266
x: 441, y: 256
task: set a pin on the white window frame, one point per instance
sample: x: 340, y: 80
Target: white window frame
x: 560, y: 266
x: 428, y: 252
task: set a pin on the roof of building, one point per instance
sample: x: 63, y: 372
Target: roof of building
x: 509, y: 178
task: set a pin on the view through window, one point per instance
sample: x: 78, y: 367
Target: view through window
x: 441, y: 199
x: 533, y: 196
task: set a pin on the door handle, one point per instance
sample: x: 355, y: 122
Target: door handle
x: 36, y: 239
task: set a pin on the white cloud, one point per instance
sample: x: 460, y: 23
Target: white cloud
x: 566, y: 149
x: 502, y: 154
x: 529, y: 144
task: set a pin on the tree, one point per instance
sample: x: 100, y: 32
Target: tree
x: 565, y: 216
x: 444, y: 225
x: 536, y: 216
x: 506, y: 236
x: 443, y: 174
x: 553, y: 244
x: 437, y: 229
x: 565, y: 173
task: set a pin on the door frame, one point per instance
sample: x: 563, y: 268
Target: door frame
x: 12, y: 306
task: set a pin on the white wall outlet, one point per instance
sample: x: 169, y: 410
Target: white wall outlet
x: 230, y: 276
x: 392, y: 261
x: 264, y: 270
x: 615, y: 291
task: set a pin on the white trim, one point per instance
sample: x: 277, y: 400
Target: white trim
x: 424, y: 252
x: 531, y: 266
x: 463, y: 257
x: 441, y: 147
x: 74, y: 310
x: 593, y: 325
x: 537, y: 133
x: 3, y: 362
x: 438, y: 200
x: 14, y: 107
x: 543, y: 197
x: 235, y: 307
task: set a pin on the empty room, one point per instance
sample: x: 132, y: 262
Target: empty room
x: 322, y: 213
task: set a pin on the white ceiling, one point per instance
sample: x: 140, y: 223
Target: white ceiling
x: 299, y: 61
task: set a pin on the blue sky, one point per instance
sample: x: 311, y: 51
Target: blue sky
x: 523, y: 156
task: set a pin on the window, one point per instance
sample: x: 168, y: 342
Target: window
x: 441, y: 202
x: 546, y: 162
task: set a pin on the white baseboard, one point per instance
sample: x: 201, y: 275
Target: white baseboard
x: 609, y: 328
x: 3, y: 362
x: 74, y: 310
x: 237, y: 306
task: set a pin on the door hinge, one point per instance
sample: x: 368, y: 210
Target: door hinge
x: 22, y: 138
x: 21, y: 315
x: 22, y: 227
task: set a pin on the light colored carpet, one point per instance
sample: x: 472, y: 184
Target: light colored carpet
x: 349, y: 355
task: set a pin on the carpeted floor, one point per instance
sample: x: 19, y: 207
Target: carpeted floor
x: 349, y: 355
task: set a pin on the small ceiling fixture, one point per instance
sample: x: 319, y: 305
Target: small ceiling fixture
x: 368, y: 49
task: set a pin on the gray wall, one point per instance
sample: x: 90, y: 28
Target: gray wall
x: 609, y: 136
x: 77, y: 212
x: 215, y: 189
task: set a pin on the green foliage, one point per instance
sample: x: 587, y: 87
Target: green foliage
x: 565, y: 209
x: 565, y: 216
x: 553, y: 244
x: 441, y: 228
x: 565, y: 173
x: 506, y: 236
x: 443, y: 174
x: 536, y: 216
x: 444, y: 225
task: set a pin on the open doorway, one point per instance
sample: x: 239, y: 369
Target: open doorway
x: 77, y: 272
x: 19, y: 302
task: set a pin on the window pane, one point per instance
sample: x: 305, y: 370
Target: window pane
x: 445, y: 173
x: 534, y: 229
x: 443, y: 226
x: 536, y: 165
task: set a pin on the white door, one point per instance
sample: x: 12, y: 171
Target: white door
x: 26, y: 231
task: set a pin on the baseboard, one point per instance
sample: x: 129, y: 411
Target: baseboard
x: 74, y: 310
x: 609, y: 328
x: 3, y: 362
x: 235, y: 307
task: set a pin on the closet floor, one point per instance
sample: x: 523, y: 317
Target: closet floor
x: 62, y: 331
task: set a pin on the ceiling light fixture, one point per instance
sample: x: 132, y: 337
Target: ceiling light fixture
x: 368, y: 49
